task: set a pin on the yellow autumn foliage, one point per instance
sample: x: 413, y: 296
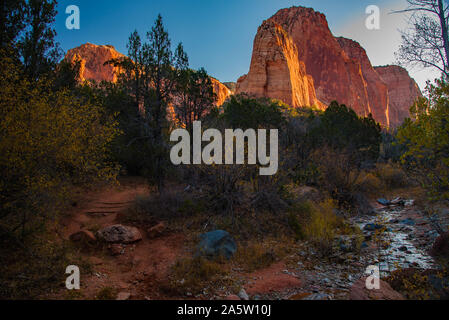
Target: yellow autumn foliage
x: 49, y: 140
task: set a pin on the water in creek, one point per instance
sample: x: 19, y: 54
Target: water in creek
x: 405, y: 241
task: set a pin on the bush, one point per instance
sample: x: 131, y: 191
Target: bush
x: 426, y: 141
x: 323, y: 225
x: 255, y: 256
x: 49, y: 141
x: 392, y: 176
x: 369, y: 183
x: 107, y: 293
x: 193, y: 275
x: 166, y: 206
x: 36, y: 267
x: 316, y: 223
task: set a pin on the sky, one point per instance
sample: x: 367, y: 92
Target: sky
x: 218, y: 34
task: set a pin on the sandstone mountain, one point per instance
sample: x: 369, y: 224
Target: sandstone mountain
x: 403, y: 91
x: 93, y: 58
x: 298, y: 60
x: 276, y: 70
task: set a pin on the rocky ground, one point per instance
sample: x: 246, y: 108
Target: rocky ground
x: 135, y: 264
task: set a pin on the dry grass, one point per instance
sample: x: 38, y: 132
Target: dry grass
x: 194, y: 275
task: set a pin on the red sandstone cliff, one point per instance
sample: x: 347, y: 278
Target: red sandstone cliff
x: 402, y: 90
x: 339, y: 68
x: 376, y: 89
x: 276, y: 70
x: 93, y: 57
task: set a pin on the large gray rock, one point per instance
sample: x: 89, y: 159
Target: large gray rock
x: 119, y: 234
x: 216, y: 243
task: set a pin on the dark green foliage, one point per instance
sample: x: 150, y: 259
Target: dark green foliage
x: 245, y: 112
x: 342, y: 129
x: 194, y: 97
x: 11, y: 21
x: 38, y: 50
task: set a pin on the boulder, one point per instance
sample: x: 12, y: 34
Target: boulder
x: 360, y: 292
x: 384, y: 202
x: 119, y: 234
x: 372, y: 227
x: 216, y: 243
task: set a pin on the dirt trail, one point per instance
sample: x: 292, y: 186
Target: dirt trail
x: 139, y: 264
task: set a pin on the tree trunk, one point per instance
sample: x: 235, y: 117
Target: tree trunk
x: 444, y: 34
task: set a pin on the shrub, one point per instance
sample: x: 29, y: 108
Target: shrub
x: 107, y: 293
x: 316, y: 223
x: 193, y: 275
x: 255, y: 256
x: 369, y: 183
x: 426, y: 141
x: 392, y: 176
x: 49, y: 141
x: 323, y: 225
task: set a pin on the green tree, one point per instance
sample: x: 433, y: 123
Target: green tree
x: 49, y: 141
x: 246, y: 112
x: 194, y: 97
x: 150, y: 76
x: 38, y: 50
x: 426, y: 139
x: 11, y: 21
x: 341, y: 128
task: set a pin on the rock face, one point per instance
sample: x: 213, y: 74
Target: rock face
x: 376, y: 89
x: 298, y: 60
x: 276, y: 70
x: 93, y: 57
x: 222, y: 91
x: 402, y: 90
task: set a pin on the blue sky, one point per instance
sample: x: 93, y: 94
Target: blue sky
x: 218, y: 34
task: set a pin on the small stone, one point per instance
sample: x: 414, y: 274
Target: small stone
x: 116, y: 250
x: 122, y: 296
x: 156, y: 231
x: 243, y: 295
x: 84, y: 237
